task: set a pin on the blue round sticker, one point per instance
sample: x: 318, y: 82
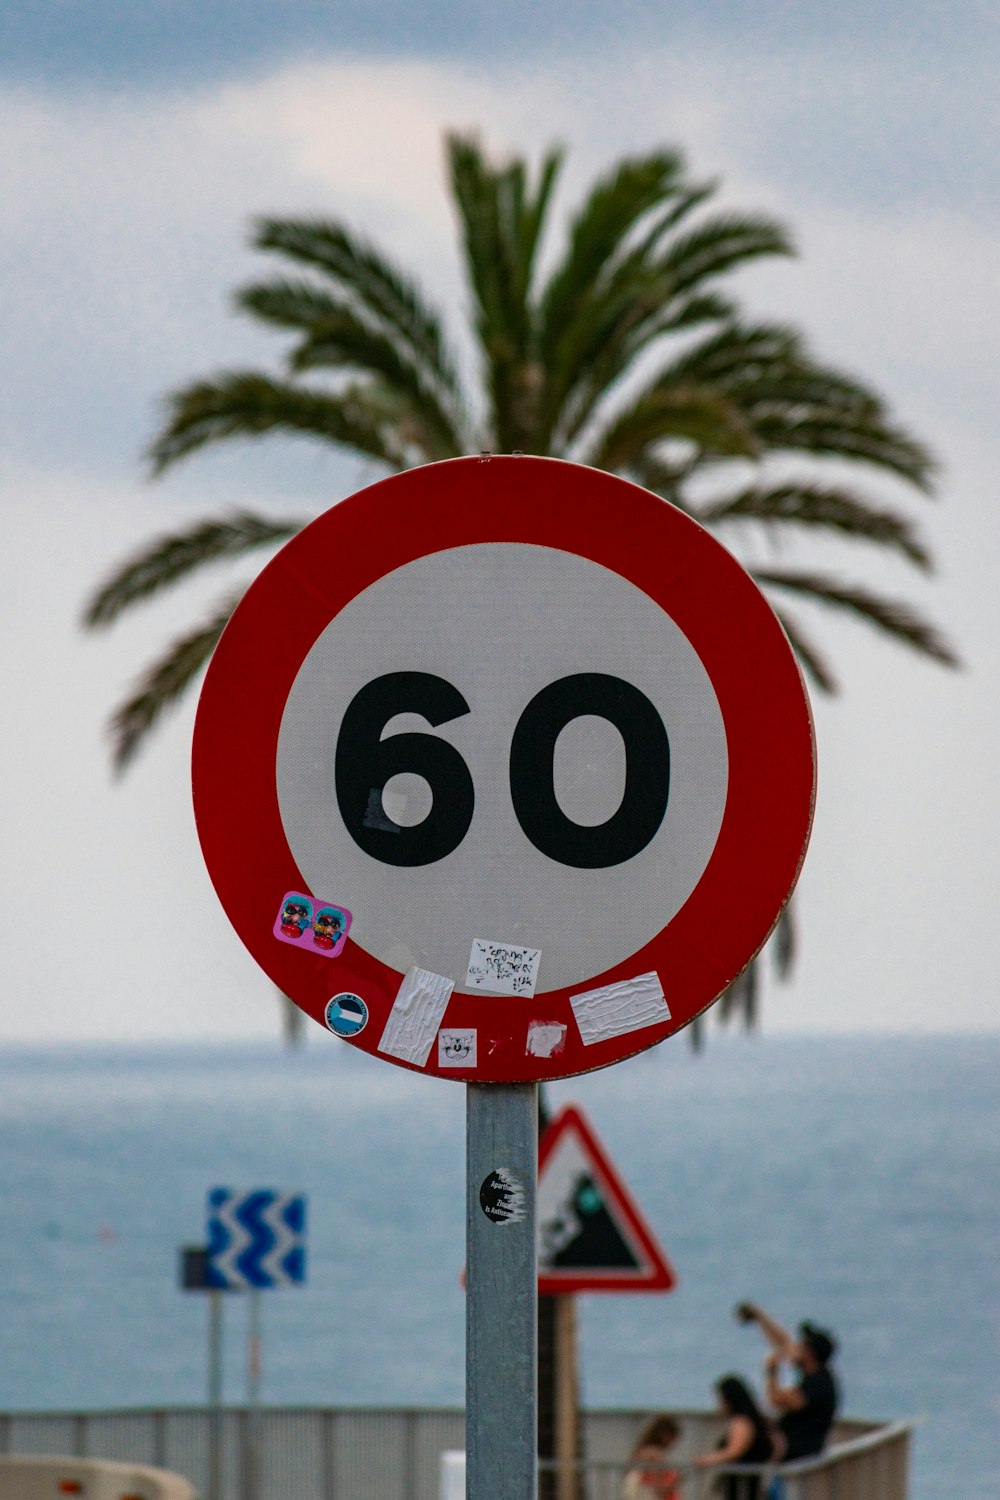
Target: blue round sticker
x: 346, y: 1015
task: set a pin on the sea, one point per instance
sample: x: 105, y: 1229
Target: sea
x: 849, y: 1181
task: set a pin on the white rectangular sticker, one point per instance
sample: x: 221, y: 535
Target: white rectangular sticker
x: 457, y: 1049
x: 618, y: 1008
x: 413, y: 1022
x: 502, y: 969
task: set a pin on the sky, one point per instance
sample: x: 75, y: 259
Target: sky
x: 137, y: 144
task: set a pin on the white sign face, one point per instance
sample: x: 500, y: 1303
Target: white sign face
x: 528, y: 697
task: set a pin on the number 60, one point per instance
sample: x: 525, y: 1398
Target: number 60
x: 365, y: 762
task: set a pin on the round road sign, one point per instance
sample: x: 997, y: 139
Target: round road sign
x: 513, y: 752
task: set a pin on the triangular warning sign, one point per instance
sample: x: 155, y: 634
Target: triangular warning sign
x: 592, y: 1236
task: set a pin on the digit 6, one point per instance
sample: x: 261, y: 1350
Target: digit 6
x: 365, y: 762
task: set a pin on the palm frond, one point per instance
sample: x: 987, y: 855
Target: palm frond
x: 681, y: 202
x: 163, y: 683
x: 611, y: 333
x: 739, y: 1001
x: 290, y: 303
x: 824, y: 507
x: 663, y: 477
x: 247, y: 404
x: 168, y: 559
x: 490, y: 251
x: 531, y: 214
x: 793, y: 403
x: 381, y: 288
x: 502, y: 221
x: 698, y: 416
x: 720, y: 244
x: 612, y: 324
x: 613, y: 208
x: 689, y: 311
x: 887, y: 615
x: 609, y: 286
x: 634, y: 302
x: 784, y: 941
x: 737, y: 354
x: 335, y: 336
x: 810, y: 658
x: 787, y: 424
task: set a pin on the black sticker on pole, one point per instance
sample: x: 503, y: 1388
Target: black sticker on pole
x: 501, y: 1197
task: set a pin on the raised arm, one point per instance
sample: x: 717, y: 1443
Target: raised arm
x: 779, y: 1338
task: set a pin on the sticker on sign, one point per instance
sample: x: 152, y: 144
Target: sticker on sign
x: 543, y: 736
x: 502, y: 969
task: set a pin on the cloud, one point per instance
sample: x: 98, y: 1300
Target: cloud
x: 111, y: 43
x: 122, y: 224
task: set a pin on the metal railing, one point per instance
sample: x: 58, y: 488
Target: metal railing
x: 346, y: 1453
x: 871, y: 1467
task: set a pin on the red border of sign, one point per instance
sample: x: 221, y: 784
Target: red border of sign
x: 548, y: 503
x: 659, y: 1275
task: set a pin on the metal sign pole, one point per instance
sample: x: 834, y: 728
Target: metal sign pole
x: 214, y: 1348
x: 215, y: 1395
x: 254, y: 1357
x: 501, y: 1422
x: 254, y: 1348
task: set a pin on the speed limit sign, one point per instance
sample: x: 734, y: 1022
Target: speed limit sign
x: 503, y: 769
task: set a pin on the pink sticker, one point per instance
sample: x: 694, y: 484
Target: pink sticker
x: 317, y: 927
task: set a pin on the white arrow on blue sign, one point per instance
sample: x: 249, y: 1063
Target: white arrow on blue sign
x: 256, y: 1240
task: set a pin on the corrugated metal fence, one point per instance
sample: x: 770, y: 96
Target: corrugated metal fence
x: 269, y: 1454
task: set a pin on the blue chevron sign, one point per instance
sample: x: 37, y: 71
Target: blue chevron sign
x: 255, y: 1240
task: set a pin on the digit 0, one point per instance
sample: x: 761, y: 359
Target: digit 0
x: 647, y: 771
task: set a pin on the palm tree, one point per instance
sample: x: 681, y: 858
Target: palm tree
x: 629, y: 355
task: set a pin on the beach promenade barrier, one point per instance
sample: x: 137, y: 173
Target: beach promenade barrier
x: 872, y: 1467
x: 367, y: 1453
x: 28, y: 1477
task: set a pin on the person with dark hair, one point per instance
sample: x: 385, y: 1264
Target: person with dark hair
x: 648, y: 1478
x: 806, y: 1409
x: 748, y: 1440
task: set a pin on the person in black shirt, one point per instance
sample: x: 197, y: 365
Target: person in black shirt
x: 748, y: 1440
x: 806, y: 1409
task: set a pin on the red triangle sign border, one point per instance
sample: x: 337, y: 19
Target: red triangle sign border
x: 657, y: 1275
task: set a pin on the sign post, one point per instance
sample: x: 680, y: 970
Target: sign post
x: 592, y: 1237
x: 256, y: 1241
x: 501, y: 1301
x: 503, y: 772
x: 194, y: 1278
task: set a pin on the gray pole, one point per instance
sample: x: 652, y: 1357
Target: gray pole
x: 254, y: 1348
x: 214, y: 1348
x: 215, y: 1395
x: 254, y: 1360
x: 501, y: 1424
